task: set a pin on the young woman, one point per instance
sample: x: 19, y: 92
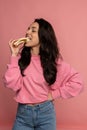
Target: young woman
x: 38, y: 75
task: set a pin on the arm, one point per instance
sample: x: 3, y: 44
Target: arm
x: 13, y: 78
x: 68, y: 83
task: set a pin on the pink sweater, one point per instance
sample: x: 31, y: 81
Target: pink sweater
x: 32, y: 88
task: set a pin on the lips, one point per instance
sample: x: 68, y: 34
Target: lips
x: 29, y: 37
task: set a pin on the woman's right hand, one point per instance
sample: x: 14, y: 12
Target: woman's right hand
x: 15, y: 50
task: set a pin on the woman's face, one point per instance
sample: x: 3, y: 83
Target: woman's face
x: 32, y: 34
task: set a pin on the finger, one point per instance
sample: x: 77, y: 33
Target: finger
x: 11, y: 42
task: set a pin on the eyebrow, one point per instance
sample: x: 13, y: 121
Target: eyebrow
x: 32, y: 27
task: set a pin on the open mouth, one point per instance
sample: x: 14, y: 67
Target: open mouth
x: 29, y: 38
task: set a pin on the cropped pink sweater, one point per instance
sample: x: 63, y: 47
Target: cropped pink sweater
x: 32, y: 88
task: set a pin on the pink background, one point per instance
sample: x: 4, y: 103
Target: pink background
x: 69, y: 19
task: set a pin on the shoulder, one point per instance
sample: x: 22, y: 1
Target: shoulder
x: 63, y: 65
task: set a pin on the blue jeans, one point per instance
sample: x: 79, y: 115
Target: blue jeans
x: 38, y: 117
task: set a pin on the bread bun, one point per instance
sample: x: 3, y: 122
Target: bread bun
x: 20, y: 41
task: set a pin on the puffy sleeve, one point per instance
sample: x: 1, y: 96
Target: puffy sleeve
x: 13, y: 78
x: 68, y: 82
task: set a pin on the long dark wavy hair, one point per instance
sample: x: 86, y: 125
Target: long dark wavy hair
x: 49, y: 52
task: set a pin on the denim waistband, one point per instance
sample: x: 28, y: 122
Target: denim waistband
x: 40, y: 105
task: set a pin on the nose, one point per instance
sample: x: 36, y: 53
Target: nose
x: 28, y: 33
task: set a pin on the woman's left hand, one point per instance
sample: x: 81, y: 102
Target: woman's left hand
x: 50, y: 96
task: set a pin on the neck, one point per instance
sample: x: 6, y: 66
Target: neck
x: 35, y: 51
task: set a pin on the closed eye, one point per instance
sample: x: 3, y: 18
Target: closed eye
x: 34, y: 31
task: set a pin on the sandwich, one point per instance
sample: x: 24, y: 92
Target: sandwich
x: 20, y: 41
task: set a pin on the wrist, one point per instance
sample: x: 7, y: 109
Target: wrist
x: 14, y: 54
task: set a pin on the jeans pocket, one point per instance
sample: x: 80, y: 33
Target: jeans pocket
x: 20, y: 109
